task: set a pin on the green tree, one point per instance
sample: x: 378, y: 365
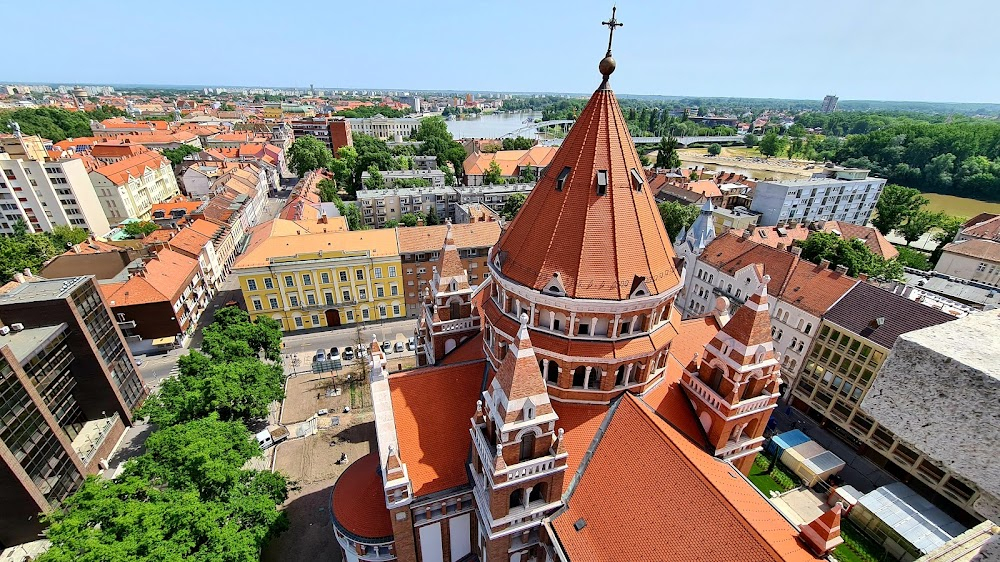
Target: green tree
x: 851, y: 253
x: 494, y: 175
x: 528, y: 175
x: 327, y: 191
x: 715, y: 149
x: 187, y: 498
x: 666, y: 154
x: 750, y: 140
x: 676, y: 216
x: 512, y: 205
x: 491, y: 147
x: 909, y: 257
x: 307, y: 154
x: 895, y: 206
x: 23, y: 250
x: 391, y: 223
x: 64, y: 236
x: 374, y: 179
x: 432, y: 217
x: 410, y: 219
x: 176, y: 155
x: 948, y: 227
x: 232, y: 335
x: 56, y: 124
x: 352, y: 214
x: 518, y: 143
x: 918, y: 224
x: 343, y: 168
x: 140, y: 229
x: 771, y: 144
x: 240, y: 389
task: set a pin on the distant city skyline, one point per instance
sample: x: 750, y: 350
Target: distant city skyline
x: 889, y: 50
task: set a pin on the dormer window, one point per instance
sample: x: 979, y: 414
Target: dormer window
x: 602, y: 182
x: 561, y: 180
x: 637, y: 180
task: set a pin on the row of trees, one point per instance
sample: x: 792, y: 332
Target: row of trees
x: 189, y: 497
x: 515, y: 143
x: 366, y: 111
x: 56, y: 124
x: 953, y: 155
x: 904, y: 210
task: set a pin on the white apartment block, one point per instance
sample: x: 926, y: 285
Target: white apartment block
x: 848, y: 195
x: 390, y: 177
x: 130, y: 187
x: 386, y: 128
x: 381, y: 205
x: 47, y: 194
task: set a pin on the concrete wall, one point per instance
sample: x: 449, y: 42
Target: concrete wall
x: 945, y: 408
x: 967, y: 267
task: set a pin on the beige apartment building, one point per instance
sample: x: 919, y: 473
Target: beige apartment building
x: 130, y: 187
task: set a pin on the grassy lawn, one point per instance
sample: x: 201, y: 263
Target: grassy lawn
x: 857, y: 546
x: 779, y: 480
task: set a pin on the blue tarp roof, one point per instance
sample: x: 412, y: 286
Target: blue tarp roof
x: 787, y: 440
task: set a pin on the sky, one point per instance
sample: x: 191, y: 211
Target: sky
x: 914, y: 50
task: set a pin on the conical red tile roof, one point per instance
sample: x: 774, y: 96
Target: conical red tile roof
x: 750, y: 325
x: 601, y: 245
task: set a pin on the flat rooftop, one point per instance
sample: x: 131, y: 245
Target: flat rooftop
x: 812, y: 181
x: 973, y: 341
x: 24, y: 343
x: 40, y: 290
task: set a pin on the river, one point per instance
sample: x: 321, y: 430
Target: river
x: 493, y: 125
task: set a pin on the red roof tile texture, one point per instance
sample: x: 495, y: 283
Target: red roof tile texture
x: 675, y: 493
x: 815, y: 289
x: 359, y: 500
x: 598, y: 243
x: 433, y: 408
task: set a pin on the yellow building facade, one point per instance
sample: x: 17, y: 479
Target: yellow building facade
x: 326, y: 279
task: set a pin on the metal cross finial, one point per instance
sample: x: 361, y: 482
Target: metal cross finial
x: 612, y: 24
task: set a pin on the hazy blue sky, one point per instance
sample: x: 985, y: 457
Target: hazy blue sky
x: 857, y: 49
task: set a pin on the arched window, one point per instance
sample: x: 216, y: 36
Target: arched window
x: 801, y: 345
x: 516, y: 499
x: 737, y: 293
x: 527, y: 446
x: 801, y: 321
x: 809, y: 328
x: 539, y: 492
x: 711, y: 278
x: 552, y: 375
x: 595, y: 379
x: 579, y: 376
x: 785, y: 319
x: 620, y: 376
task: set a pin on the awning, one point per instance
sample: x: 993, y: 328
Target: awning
x: 169, y: 340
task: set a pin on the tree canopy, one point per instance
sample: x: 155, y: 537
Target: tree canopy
x: 517, y: 143
x: 676, y: 216
x: 187, y: 498
x: 234, y: 336
x: 494, y: 175
x: 23, y: 250
x: 176, y: 155
x: 56, y: 124
x: 853, y: 253
x: 512, y: 205
x: 895, y: 206
x: 140, y: 229
x: 771, y: 144
x: 307, y: 154
x: 365, y: 111
x: 666, y: 154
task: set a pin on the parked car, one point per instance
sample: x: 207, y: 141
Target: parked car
x: 320, y: 355
x: 348, y: 353
x: 411, y: 343
x: 334, y: 354
x: 386, y: 346
x: 398, y: 348
x: 362, y: 350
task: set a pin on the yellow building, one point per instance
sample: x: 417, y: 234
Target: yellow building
x: 271, y: 110
x: 313, y: 274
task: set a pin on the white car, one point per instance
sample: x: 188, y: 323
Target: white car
x: 398, y: 348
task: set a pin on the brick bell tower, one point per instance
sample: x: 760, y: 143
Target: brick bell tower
x: 448, y: 316
x: 519, y: 461
x: 735, y: 386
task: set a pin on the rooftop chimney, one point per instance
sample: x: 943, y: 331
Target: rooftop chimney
x: 781, y: 245
x: 796, y: 250
x: 842, y: 269
x: 863, y: 276
x: 825, y: 264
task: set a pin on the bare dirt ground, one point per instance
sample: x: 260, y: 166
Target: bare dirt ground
x: 744, y: 158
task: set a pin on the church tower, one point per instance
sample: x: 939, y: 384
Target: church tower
x: 734, y: 387
x: 518, y: 462
x: 588, y: 260
x: 448, y: 317
x: 689, y: 244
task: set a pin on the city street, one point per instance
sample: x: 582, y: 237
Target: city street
x: 304, y: 346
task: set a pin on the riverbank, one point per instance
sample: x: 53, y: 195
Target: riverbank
x: 960, y: 206
x: 749, y: 162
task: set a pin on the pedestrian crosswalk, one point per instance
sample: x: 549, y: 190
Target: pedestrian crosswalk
x: 174, y: 371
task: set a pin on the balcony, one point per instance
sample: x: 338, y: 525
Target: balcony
x: 460, y: 324
x: 127, y: 325
x: 709, y: 396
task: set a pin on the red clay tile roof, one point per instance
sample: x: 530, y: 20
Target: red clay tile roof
x: 668, y: 398
x: 359, y: 500
x: 518, y: 374
x: 113, y: 149
x: 708, y: 188
x: 983, y: 225
x: 599, y: 244
x: 92, y: 247
x: 675, y: 494
x: 132, y: 167
x: 416, y: 239
x: 190, y: 241
x: 166, y: 276
x: 433, y: 408
x: 815, y: 289
x: 580, y: 423
x: 449, y: 263
x: 730, y: 253
x: 469, y: 350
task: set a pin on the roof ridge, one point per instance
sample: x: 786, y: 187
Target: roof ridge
x: 595, y: 442
x: 737, y: 513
